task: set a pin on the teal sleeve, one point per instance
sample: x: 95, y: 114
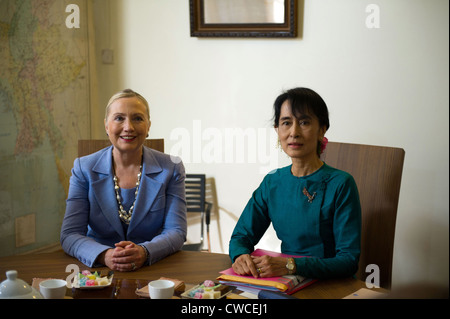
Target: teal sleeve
x: 347, y: 237
x: 251, y: 225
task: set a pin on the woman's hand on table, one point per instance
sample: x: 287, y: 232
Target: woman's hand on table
x: 268, y: 266
x: 243, y: 265
x: 127, y: 256
x: 260, y: 266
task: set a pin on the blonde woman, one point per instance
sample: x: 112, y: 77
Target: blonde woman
x: 126, y: 205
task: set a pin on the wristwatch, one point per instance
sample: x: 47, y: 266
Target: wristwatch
x: 290, y: 265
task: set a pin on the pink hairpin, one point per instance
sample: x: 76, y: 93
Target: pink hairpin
x: 323, y: 145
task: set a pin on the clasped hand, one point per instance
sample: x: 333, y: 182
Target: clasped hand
x: 260, y: 266
x: 126, y: 256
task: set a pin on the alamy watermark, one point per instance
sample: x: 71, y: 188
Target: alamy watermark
x: 73, y: 19
x: 372, y: 19
x: 226, y: 146
x: 373, y: 279
x: 74, y: 270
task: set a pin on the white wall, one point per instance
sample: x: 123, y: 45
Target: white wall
x: 386, y: 86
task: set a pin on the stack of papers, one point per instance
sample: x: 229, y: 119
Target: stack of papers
x: 286, y: 284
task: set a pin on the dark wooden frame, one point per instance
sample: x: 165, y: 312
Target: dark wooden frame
x: 199, y: 28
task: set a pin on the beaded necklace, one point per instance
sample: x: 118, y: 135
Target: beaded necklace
x: 123, y: 214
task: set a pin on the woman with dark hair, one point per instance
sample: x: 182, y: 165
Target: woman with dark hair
x: 314, y: 208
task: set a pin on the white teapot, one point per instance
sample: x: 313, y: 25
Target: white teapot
x: 14, y: 288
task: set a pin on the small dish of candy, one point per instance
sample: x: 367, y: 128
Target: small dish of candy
x: 89, y: 280
x: 208, y: 290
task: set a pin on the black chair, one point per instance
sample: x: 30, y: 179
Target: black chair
x: 196, y: 204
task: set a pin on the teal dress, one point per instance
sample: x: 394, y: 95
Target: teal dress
x: 318, y: 215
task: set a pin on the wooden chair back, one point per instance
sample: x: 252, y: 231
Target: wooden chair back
x: 86, y: 147
x: 377, y: 171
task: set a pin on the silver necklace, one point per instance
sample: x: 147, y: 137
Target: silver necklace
x: 123, y: 214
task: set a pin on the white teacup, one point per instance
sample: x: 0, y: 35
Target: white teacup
x: 53, y: 288
x: 161, y: 289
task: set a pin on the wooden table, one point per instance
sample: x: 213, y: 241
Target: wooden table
x: 190, y: 267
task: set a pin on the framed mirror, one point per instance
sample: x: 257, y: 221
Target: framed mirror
x: 243, y: 18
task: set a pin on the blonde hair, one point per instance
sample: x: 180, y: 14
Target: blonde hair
x: 125, y: 94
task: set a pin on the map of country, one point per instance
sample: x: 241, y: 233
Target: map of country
x: 44, y: 102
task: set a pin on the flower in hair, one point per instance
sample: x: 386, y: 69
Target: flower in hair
x: 323, y: 145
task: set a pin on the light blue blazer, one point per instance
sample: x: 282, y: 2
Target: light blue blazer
x: 91, y: 223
